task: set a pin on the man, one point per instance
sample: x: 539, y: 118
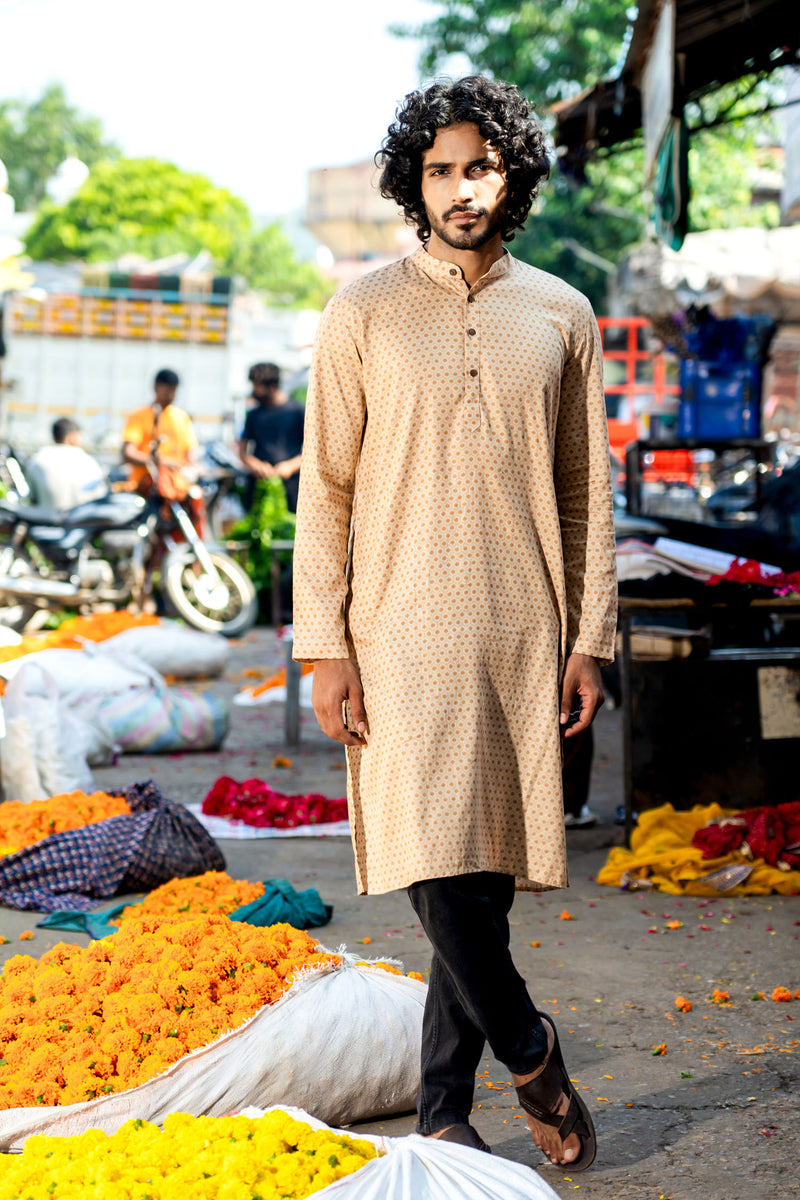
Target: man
x: 455, y: 581
x: 160, y: 443
x: 272, y: 440
x: 64, y: 475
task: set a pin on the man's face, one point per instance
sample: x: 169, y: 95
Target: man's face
x: 463, y: 187
x: 263, y: 392
x: 165, y: 394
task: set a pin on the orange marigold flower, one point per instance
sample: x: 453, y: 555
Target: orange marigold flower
x: 25, y: 824
x: 719, y: 997
x: 659, y: 1050
x: 27, y: 936
x: 674, y: 924
x: 415, y: 975
x: 683, y: 1004
x: 566, y: 916
x: 782, y: 995
x: 87, y: 1022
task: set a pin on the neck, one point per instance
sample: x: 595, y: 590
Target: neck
x: 473, y: 263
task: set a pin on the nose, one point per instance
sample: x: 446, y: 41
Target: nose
x: 464, y: 190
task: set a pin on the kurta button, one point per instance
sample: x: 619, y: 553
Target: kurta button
x: 473, y: 372
x: 471, y: 332
x: 453, y: 272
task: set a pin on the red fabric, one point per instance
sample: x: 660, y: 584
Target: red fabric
x: 771, y: 834
x: 255, y: 803
x: 749, y: 571
x: 718, y: 840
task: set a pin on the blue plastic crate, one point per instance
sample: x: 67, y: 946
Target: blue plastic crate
x: 719, y: 401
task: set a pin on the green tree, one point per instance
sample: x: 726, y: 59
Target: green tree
x: 36, y: 137
x: 552, y: 50
x: 266, y: 259
x: 142, y: 205
x: 549, y: 48
x: 153, y: 208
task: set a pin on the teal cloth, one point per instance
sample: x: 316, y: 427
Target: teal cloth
x: 280, y: 902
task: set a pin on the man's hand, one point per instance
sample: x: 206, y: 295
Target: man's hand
x: 336, y: 681
x: 582, y: 685
x: 288, y: 468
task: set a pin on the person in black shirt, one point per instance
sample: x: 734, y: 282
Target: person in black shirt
x: 272, y: 440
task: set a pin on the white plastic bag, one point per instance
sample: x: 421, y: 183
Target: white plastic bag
x: 76, y: 672
x: 40, y: 754
x: 417, y: 1168
x: 172, y: 649
x: 343, y: 1041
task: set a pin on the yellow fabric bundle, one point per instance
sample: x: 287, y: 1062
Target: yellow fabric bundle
x: 662, y: 852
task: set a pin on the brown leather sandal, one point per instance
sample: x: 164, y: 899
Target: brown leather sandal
x: 540, y: 1097
x: 464, y: 1135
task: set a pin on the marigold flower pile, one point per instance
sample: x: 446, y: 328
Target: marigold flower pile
x: 213, y: 892
x: 272, y: 1157
x: 71, y: 633
x: 85, y: 1022
x: 24, y: 824
x: 254, y: 802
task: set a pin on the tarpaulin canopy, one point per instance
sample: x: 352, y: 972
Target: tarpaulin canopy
x: 734, y: 271
x: 717, y: 41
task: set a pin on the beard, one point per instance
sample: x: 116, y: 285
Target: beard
x: 467, y: 239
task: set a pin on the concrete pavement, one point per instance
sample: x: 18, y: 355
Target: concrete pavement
x: 714, y: 1118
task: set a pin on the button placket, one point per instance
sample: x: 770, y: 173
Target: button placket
x: 472, y: 364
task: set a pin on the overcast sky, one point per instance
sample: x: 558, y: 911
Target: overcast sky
x: 252, y: 93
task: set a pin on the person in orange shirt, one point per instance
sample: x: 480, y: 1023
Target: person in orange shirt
x: 160, y: 443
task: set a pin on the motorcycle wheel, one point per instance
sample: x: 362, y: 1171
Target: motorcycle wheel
x: 16, y: 614
x: 229, y: 608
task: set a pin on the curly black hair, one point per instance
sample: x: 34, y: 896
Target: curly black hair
x: 504, y: 117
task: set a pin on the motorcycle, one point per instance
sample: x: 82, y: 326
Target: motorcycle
x: 107, y: 552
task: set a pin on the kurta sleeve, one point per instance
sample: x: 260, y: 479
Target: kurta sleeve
x: 582, y: 475
x: 334, y: 426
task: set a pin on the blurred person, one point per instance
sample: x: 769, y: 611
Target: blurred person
x: 160, y: 443
x: 271, y: 444
x: 455, y: 582
x: 63, y: 475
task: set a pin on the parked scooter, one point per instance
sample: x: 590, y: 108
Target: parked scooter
x: 114, y: 551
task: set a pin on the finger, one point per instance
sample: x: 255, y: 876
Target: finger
x: 334, y: 727
x: 591, y: 703
x: 358, y: 715
x: 567, y: 697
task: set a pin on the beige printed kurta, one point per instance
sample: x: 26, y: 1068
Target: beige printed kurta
x: 460, y: 434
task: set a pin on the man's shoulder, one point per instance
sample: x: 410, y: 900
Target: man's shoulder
x: 551, y: 287
x: 139, y: 416
x: 373, y: 286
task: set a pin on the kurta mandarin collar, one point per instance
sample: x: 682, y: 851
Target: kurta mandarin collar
x: 449, y: 275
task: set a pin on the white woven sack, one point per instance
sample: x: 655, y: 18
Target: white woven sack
x: 78, y: 672
x: 172, y: 649
x: 417, y: 1168
x: 344, y: 1041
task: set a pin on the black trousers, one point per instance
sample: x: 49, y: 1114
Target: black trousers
x: 475, y: 994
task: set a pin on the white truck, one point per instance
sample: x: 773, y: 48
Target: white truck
x: 93, y: 358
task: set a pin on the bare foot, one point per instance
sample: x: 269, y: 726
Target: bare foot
x: 545, y: 1136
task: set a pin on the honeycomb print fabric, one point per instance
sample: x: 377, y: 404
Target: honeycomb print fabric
x: 459, y: 436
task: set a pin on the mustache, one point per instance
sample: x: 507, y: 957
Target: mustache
x: 464, y: 208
